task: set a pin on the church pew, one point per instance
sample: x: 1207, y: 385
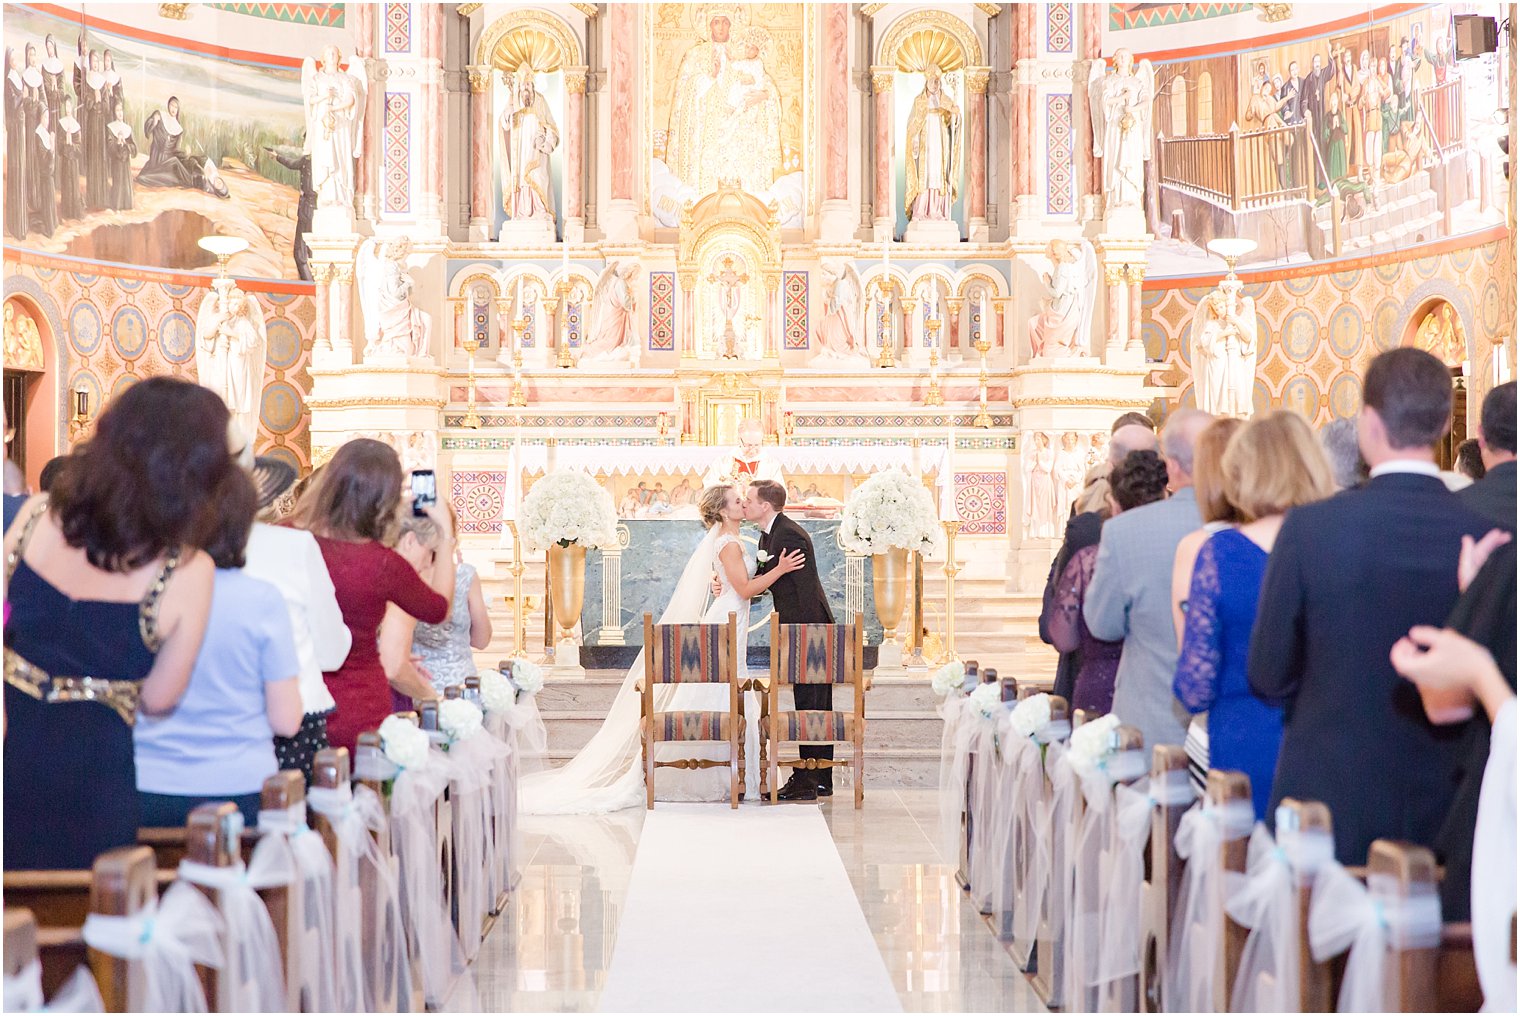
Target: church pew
x: 1022, y: 854
x: 443, y: 818
x: 386, y: 985
x: 283, y: 790
x: 968, y: 821
x: 472, y: 928
x: 1163, y: 880
x: 1221, y: 788
x: 168, y: 844
x: 207, y: 842
x: 497, y: 831
x: 1050, y: 949
x: 123, y: 882
x: 1315, y: 984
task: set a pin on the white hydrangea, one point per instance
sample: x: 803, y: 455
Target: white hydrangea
x: 1092, y: 742
x: 987, y: 700
x: 891, y: 509
x: 1031, y: 715
x: 459, y: 719
x: 405, y: 743
x: 567, y: 507
x: 496, y: 692
x: 949, y: 679
x: 528, y: 676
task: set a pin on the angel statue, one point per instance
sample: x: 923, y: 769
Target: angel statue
x: 841, y: 333
x: 392, y: 326
x: 1064, y: 324
x: 335, y: 101
x: 1224, y: 351
x: 231, y: 345
x: 1121, y: 118
x: 530, y: 135
x: 933, y: 155
x: 614, y: 328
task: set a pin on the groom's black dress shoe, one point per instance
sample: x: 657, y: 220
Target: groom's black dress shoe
x: 798, y: 790
x: 825, y: 790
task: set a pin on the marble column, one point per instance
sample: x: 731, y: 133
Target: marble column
x: 321, y: 274
x: 773, y: 322
x: 884, y: 213
x: 1136, y: 277
x: 575, y: 119
x: 687, y: 341
x: 1113, y: 275
x: 1021, y: 111
x: 435, y: 102
x: 976, y: 155
x: 1091, y: 25
x: 362, y: 17
x: 343, y: 310
x: 621, y: 220
x: 835, y: 219
x: 481, y: 138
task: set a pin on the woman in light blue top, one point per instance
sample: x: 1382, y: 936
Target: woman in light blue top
x: 218, y: 743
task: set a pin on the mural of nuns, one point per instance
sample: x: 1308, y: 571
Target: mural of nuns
x: 41, y: 194
x: 52, y: 78
x: 69, y: 151
x: 120, y: 147
x: 93, y: 113
x: 15, y: 147
x: 167, y: 166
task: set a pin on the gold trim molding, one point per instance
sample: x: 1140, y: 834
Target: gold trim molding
x: 1099, y: 401
x: 991, y: 10
x: 377, y: 400
x: 934, y: 22
x: 550, y: 29
x: 465, y: 10
x: 589, y: 10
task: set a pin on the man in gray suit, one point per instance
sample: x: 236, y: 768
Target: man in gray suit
x: 1130, y: 597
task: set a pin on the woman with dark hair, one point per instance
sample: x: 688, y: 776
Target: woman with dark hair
x: 15, y: 146
x: 69, y: 153
x: 108, y: 599
x: 218, y: 743
x: 355, y: 512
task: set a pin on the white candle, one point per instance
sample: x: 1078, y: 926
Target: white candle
x: 564, y: 262
x: 917, y: 469
x: 947, y: 512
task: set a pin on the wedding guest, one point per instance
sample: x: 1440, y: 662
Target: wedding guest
x: 1272, y: 464
x: 1493, y: 496
x: 217, y: 744
x: 120, y: 148
x: 1346, y: 579
x: 1130, y: 594
x: 410, y: 681
x: 1214, y: 507
x: 1469, y: 460
x: 1133, y: 419
x: 445, y: 648
x: 70, y: 152
x: 1338, y: 439
x: 49, y: 474
x: 355, y: 512
x: 105, y: 583
x: 1139, y: 480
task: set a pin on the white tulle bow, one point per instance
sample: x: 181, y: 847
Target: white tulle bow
x: 1265, y: 899
x: 312, y: 901
x: 23, y: 992
x: 1198, y: 919
x: 1370, y: 920
x: 169, y: 937
x: 255, y: 966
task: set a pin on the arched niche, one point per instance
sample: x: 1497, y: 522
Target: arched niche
x: 536, y: 37
x: 38, y: 381
x: 475, y: 297
x: 924, y: 37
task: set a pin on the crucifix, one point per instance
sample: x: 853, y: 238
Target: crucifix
x: 729, y: 301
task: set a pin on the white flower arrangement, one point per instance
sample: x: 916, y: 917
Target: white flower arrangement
x: 527, y: 676
x: 949, y: 679
x: 891, y: 509
x: 459, y: 719
x: 496, y: 693
x: 567, y: 507
x: 987, y: 700
x: 1092, y: 742
x: 405, y: 743
x: 1031, y: 715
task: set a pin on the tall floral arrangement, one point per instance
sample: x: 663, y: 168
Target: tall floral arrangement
x: 567, y: 507
x: 891, y: 509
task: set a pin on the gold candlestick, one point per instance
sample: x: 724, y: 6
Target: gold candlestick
x: 519, y: 326
x: 933, y: 396
x: 471, y: 417
x: 952, y: 527
x: 886, y: 355
x: 563, y: 291
x: 79, y: 420
x: 519, y: 607
x: 983, y: 419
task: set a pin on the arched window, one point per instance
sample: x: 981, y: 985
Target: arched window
x: 1205, y: 103
x: 1179, y: 106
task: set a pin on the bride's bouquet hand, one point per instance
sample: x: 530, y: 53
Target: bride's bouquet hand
x: 790, y: 561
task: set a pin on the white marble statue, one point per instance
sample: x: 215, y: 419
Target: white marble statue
x: 392, y: 325
x: 335, y: 101
x: 614, y: 323
x: 729, y: 282
x: 1069, y: 471
x: 841, y: 331
x: 529, y: 135
x: 1224, y: 351
x: 933, y: 151
x: 1064, y: 325
x: 1039, y: 488
x: 231, y: 346
x: 1120, y: 103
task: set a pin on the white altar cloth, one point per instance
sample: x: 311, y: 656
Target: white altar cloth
x: 799, y: 460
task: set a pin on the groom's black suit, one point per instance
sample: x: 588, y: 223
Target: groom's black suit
x: 799, y: 599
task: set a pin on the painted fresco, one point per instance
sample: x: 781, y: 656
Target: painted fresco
x: 121, y: 150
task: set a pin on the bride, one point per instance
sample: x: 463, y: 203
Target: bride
x: 606, y: 774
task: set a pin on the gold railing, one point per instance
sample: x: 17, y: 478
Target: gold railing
x: 1242, y: 169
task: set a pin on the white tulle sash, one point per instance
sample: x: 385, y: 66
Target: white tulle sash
x: 23, y: 992
x: 1193, y: 961
x: 1370, y: 920
x: 1265, y: 899
x: 169, y: 937
x: 475, y: 765
x: 954, y: 764
x: 984, y: 777
x: 255, y: 966
x: 312, y: 902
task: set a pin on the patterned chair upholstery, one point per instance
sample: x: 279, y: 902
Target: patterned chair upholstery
x: 691, y: 654
x: 815, y: 654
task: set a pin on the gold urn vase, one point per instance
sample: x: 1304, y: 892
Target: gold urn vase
x: 889, y: 582
x: 567, y: 584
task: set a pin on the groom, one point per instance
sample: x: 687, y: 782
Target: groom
x: 799, y: 599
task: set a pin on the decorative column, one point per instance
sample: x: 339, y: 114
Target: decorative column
x: 835, y: 220
x: 575, y: 118
x: 976, y: 159
x: 686, y: 333
x: 1021, y: 113
x: 362, y: 17
x: 1091, y: 24
x: 321, y: 274
x: 1136, y: 277
x: 1114, y: 274
x: 343, y: 310
x: 884, y: 211
x: 773, y: 322
x: 481, y: 138
x: 612, y: 591
x: 435, y: 103
x: 621, y: 221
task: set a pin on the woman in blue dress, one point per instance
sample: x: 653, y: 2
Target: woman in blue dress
x: 1271, y: 465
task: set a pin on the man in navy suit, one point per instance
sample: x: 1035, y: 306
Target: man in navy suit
x: 1494, y: 495
x: 1348, y: 577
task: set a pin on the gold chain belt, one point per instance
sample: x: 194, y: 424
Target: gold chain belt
x: 122, y: 696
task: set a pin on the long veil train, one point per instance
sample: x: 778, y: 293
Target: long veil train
x: 605, y: 775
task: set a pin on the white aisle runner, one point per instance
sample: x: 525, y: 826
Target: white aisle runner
x: 747, y: 910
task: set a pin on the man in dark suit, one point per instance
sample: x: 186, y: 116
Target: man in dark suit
x: 799, y: 599
x: 1494, y: 496
x: 1348, y: 577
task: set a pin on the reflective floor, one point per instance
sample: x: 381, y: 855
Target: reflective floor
x: 550, y: 952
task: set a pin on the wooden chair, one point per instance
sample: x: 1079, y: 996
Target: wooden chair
x: 691, y: 654
x: 816, y: 654
x: 1163, y: 881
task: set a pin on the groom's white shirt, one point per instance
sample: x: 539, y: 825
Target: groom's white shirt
x: 766, y: 529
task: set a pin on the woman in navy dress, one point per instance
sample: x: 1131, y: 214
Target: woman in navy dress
x: 108, y: 598
x: 1271, y: 465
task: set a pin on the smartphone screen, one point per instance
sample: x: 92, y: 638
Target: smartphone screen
x: 424, y: 491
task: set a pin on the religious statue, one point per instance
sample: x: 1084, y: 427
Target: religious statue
x: 614, y: 325
x: 335, y: 101
x: 392, y: 325
x: 1070, y: 470
x: 934, y: 151
x: 23, y: 342
x: 1063, y: 326
x: 743, y: 465
x: 730, y: 283
x: 529, y: 134
x: 841, y: 332
x: 231, y: 346
x: 1224, y: 351
x: 1039, y: 488
x: 1121, y: 118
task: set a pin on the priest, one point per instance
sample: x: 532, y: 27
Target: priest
x: 747, y: 463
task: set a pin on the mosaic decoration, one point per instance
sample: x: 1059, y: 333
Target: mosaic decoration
x: 573, y: 325
x: 479, y: 498
x: 321, y: 15
x: 794, y: 289
x: 981, y: 502
x: 398, y: 151
x: 1124, y: 16
x: 480, y: 316
x: 1058, y: 28
x: 662, y: 311
x: 620, y: 421
x: 398, y: 28
x: 1060, y: 182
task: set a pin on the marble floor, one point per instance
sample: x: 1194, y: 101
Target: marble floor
x: 550, y: 951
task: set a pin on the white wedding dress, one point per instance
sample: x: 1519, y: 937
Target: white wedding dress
x: 607, y: 774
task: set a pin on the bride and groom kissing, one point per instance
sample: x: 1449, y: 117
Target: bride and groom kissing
x: 787, y: 568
